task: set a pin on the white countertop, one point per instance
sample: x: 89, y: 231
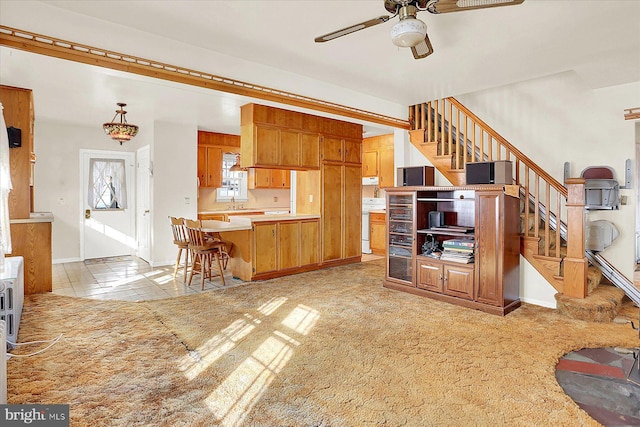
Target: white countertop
x: 34, y: 217
x: 244, y: 222
x: 249, y: 219
x: 214, y: 226
x: 244, y: 211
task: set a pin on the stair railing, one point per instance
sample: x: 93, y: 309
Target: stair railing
x: 466, y: 138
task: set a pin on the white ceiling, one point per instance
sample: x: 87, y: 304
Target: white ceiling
x: 474, y: 50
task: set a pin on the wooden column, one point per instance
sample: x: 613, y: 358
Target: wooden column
x: 575, y: 263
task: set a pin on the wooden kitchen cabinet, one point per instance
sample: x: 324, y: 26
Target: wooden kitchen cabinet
x: 332, y: 212
x: 309, y: 242
x: 341, y: 150
x: 378, y: 159
x: 265, y: 247
x: 211, y: 148
x: 209, y: 166
x: 386, y: 166
x: 352, y: 211
x: 278, y: 246
x: 271, y: 146
x: 369, y: 163
x: 341, y: 211
x: 309, y: 150
x: 377, y: 233
x: 269, y: 178
x: 486, y: 220
x: 289, y: 245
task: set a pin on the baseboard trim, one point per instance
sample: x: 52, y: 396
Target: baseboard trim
x: 65, y: 260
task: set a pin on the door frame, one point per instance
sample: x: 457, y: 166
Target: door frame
x: 130, y: 156
x: 139, y: 183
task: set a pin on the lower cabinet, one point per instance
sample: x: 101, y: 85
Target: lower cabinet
x: 377, y: 233
x: 448, y: 279
x: 266, y: 246
x: 284, y: 245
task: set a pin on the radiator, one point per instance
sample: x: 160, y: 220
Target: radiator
x: 12, y: 296
x: 3, y: 363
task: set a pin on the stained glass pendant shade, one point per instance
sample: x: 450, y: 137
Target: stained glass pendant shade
x: 120, y: 131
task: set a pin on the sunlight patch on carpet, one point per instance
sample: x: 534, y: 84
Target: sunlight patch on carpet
x: 302, y: 319
x: 272, y: 305
x: 199, y: 360
x: 232, y: 400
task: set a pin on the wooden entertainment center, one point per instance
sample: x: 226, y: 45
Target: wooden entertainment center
x: 480, y: 221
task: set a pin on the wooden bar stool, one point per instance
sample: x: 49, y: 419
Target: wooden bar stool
x: 180, y: 239
x: 203, y: 251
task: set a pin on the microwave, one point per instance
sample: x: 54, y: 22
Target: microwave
x: 416, y: 176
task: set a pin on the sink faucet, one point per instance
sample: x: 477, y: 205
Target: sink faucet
x: 233, y: 203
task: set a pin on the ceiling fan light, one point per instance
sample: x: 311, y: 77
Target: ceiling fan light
x: 408, y: 32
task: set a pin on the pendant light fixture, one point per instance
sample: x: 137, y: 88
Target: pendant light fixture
x: 120, y: 131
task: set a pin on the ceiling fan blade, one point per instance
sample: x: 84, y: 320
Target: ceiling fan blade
x: 352, y: 29
x: 446, y: 6
x: 422, y: 49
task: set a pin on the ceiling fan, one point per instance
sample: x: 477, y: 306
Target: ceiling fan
x: 409, y: 31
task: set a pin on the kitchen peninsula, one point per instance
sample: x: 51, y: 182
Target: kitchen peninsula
x: 268, y: 246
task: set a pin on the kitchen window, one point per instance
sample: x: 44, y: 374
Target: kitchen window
x: 234, y: 184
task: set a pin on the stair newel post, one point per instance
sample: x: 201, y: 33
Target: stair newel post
x: 575, y: 263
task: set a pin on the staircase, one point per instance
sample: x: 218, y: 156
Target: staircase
x: 552, y: 214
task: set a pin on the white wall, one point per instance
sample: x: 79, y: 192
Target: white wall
x: 558, y: 119
x: 57, y: 178
x: 174, y: 189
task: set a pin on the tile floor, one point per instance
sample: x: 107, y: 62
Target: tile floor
x: 128, y: 279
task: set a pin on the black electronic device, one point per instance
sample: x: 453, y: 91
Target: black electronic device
x: 416, y: 176
x: 15, y: 137
x: 497, y: 172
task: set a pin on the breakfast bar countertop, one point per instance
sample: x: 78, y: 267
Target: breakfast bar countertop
x: 249, y: 219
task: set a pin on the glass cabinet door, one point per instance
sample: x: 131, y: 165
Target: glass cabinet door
x: 400, y: 208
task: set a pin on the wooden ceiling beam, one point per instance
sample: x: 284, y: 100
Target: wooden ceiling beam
x: 62, y: 49
x: 632, y: 113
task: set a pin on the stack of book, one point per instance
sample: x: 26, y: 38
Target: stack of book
x: 458, y: 250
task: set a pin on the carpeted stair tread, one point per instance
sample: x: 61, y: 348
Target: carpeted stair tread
x: 601, y: 305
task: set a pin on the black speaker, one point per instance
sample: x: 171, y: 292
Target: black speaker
x: 498, y: 172
x: 436, y: 219
x: 15, y: 137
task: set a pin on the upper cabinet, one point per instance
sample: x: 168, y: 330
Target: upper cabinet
x: 211, y: 147
x: 280, y: 139
x: 269, y: 178
x: 341, y: 150
x: 377, y: 159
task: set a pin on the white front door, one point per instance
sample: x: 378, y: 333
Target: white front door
x: 108, y: 204
x: 143, y: 203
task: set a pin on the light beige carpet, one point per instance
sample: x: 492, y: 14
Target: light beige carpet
x: 325, y: 348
